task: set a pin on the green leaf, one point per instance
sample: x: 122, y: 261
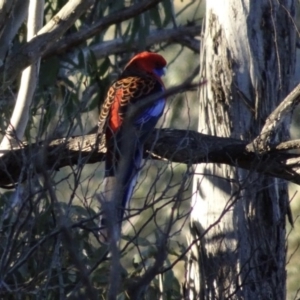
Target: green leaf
x: 104, y: 65
x: 82, y: 63
x: 126, y: 33
x: 171, y: 284
x: 121, y: 296
x: 92, y: 104
x: 136, y: 260
x: 49, y: 114
x: 168, y: 9
x: 136, y: 24
x: 155, y: 17
x: 143, y: 31
x: 48, y: 72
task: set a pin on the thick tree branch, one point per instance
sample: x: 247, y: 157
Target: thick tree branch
x: 166, y: 144
x: 179, y: 146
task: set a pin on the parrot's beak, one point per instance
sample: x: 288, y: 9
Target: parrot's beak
x: 160, y: 72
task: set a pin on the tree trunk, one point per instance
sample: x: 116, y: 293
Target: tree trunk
x: 248, y: 59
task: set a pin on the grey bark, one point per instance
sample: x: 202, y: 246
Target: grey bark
x: 239, y: 216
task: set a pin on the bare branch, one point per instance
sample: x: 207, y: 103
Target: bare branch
x: 43, y: 45
x: 133, y: 111
x: 189, y: 42
x: 20, y: 116
x: 275, y: 119
x: 68, y: 240
x: 288, y: 145
x: 33, y: 50
x: 180, y: 35
x: 114, y: 18
x: 136, y: 286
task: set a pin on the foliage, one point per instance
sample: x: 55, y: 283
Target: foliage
x: 49, y: 243
x: 49, y: 224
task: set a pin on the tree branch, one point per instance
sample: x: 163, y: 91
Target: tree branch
x: 18, y: 122
x: 179, y: 146
x: 115, y: 18
x: 33, y: 50
x: 180, y: 35
x: 275, y: 119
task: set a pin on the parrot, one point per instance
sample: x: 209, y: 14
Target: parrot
x: 140, y: 79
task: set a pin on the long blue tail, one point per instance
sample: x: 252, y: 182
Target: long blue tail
x: 129, y: 179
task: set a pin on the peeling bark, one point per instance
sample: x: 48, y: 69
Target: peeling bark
x: 248, y: 59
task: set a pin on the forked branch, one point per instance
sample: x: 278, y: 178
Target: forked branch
x: 181, y: 146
